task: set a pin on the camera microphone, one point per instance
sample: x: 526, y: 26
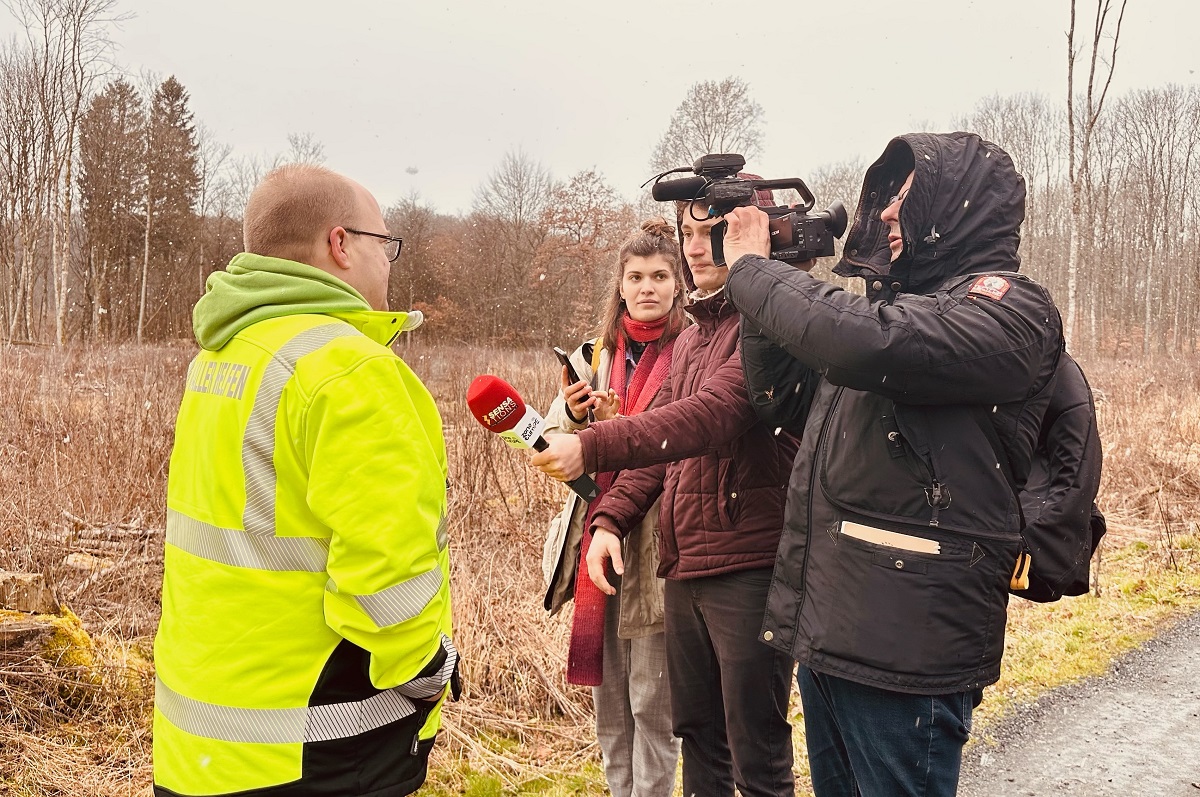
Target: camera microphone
x: 498, y: 406
x: 683, y: 189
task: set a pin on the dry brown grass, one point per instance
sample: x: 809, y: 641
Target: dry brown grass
x: 84, y: 439
x: 1150, y: 421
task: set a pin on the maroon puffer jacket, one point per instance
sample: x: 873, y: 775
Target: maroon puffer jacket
x: 722, y: 474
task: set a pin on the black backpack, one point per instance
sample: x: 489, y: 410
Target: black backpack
x: 1062, y: 524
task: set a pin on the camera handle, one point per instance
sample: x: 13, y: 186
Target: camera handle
x: 808, y: 201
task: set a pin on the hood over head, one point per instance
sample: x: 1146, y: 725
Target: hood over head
x: 962, y: 214
x: 763, y: 198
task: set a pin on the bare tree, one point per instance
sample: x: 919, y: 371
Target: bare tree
x: 836, y: 181
x: 1157, y: 133
x: 515, y: 192
x: 212, y: 196
x: 71, y: 37
x: 413, y: 279
x: 508, y: 229
x: 304, y: 148
x: 247, y: 171
x: 1027, y: 127
x: 26, y: 168
x: 586, y: 221
x: 1031, y: 130
x: 1102, y: 56
x: 715, y: 116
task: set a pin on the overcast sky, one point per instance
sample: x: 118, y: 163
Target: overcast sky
x: 428, y: 96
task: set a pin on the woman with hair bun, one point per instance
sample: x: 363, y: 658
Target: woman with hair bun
x: 617, y: 643
x: 720, y: 476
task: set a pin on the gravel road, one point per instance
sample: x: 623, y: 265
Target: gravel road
x: 1135, y: 731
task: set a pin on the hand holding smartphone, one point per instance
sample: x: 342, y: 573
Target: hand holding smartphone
x: 579, y: 403
x: 565, y: 359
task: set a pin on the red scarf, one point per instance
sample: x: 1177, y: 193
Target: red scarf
x: 585, y: 656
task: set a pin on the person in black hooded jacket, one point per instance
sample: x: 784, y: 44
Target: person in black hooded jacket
x: 916, y: 403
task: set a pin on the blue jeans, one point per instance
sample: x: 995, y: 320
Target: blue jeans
x: 870, y: 742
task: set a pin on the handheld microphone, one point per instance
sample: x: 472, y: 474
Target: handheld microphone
x: 498, y: 406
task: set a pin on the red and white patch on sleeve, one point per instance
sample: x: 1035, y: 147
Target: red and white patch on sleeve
x: 992, y: 287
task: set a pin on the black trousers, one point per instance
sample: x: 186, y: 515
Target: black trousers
x: 729, y: 691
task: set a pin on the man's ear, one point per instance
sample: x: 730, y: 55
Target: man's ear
x: 337, y: 247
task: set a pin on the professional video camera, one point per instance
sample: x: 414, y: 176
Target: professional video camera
x: 797, y: 234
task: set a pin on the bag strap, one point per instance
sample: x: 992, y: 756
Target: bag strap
x: 597, y: 347
x: 1020, y: 574
x: 989, y: 431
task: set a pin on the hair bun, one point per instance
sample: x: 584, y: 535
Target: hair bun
x: 658, y: 226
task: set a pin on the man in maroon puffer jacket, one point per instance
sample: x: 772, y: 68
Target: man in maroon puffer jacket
x: 723, y: 478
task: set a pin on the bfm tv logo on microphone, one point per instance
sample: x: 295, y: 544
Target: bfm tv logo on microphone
x: 506, y: 408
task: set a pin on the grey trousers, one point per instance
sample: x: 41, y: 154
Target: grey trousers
x: 633, y: 713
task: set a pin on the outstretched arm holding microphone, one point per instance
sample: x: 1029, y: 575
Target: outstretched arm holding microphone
x: 499, y: 407
x: 721, y: 475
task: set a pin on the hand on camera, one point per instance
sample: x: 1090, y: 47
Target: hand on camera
x: 605, y: 545
x: 562, y: 458
x: 748, y: 233
x: 806, y: 265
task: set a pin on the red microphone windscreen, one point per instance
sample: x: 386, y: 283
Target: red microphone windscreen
x: 495, y: 403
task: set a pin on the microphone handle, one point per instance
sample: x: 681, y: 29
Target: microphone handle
x: 585, y: 487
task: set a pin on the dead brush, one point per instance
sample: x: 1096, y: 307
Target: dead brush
x: 1150, y: 429
x: 76, y: 714
x: 519, y: 715
x: 85, y: 436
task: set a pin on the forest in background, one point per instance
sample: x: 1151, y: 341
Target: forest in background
x: 116, y: 202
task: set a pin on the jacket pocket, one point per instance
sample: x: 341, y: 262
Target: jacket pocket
x: 908, y: 612
x: 728, y: 496
x: 556, y: 552
x: 868, y: 463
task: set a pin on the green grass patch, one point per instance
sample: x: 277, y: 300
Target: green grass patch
x: 1141, y: 588
x: 463, y: 780
x: 1053, y: 644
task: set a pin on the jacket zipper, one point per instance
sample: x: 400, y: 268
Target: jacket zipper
x: 937, y: 494
x: 938, y: 497
x: 814, y: 482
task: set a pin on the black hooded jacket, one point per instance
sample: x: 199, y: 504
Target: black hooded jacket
x: 899, y: 396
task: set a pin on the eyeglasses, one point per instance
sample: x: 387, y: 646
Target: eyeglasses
x: 897, y: 198
x: 394, y: 242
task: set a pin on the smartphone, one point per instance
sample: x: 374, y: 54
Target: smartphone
x: 564, y: 358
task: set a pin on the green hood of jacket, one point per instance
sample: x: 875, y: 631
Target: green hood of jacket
x: 254, y: 288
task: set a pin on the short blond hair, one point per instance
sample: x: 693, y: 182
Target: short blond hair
x: 293, y: 207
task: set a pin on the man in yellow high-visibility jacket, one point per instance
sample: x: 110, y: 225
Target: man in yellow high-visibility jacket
x: 305, y: 644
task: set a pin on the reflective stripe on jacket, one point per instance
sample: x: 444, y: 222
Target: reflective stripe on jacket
x: 305, y: 643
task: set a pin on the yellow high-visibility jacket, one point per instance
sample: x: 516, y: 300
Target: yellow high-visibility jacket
x: 305, y: 642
